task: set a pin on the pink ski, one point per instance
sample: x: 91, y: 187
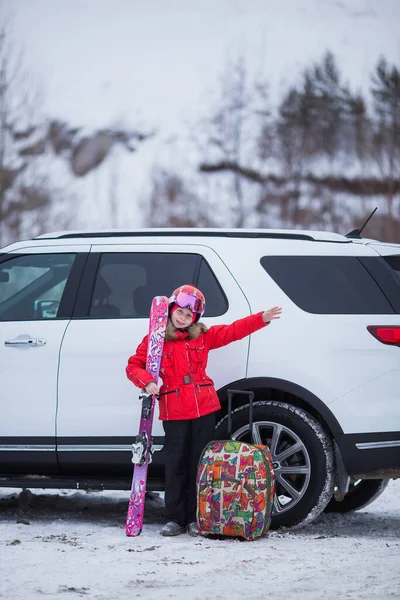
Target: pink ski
x: 141, y: 447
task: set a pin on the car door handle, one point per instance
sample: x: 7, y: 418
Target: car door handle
x: 26, y: 342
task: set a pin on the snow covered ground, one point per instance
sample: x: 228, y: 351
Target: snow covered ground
x: 56, y: 544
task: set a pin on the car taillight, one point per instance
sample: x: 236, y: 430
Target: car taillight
x: 386, y: 334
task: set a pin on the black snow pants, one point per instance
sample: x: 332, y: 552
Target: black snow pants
x: 184, y: 442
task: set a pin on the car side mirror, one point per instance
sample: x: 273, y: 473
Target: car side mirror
x: 4, y: 276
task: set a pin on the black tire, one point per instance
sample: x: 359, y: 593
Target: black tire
x: 302, y: 455
x: 360, y: 494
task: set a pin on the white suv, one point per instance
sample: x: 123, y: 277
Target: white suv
x: 326, y: 377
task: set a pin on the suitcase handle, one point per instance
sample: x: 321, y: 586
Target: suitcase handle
x: 232, y: 393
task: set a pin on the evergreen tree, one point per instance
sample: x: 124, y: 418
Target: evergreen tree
x: 386, y: 140
x: 357, y: 126
x: 386, y: 94
x: 311, y: 119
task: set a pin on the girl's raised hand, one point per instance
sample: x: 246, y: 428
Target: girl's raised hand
x: 271, y: 314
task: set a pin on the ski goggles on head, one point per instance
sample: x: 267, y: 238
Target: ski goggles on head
x: 187, y: 301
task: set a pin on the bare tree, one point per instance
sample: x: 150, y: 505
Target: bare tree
x: 227, y: 130
x: 33, y: 194
x: 173, y: 203
x: 24, y: 188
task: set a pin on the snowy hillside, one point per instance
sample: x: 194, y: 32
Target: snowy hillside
x: 157, y: 67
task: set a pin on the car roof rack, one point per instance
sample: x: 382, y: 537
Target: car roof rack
x: 196, y: 232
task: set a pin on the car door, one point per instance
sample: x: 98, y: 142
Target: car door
x: 98, y: 407
x: 37, y: 290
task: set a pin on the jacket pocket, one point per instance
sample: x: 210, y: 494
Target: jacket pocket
x: 196, y: 351
x: 207, y: 396
x: 176, y: 391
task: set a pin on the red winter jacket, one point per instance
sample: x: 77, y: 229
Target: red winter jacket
x: 187, y: 392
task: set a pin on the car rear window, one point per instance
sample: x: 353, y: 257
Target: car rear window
x: 328, y: 284
x: 394, y: 262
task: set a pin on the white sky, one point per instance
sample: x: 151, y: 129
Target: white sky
x: 108, y: 60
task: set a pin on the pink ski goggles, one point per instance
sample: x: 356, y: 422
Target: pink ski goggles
x: 187, y: 301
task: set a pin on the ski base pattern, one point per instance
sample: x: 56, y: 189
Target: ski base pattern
x: 143, y: 441
x: 235, y: 490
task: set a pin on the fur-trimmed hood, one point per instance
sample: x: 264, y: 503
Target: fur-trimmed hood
x: 194, y: 331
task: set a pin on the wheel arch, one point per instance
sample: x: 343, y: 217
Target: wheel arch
x: 284, y: 391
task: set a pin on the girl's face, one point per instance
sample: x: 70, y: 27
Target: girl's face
x: 181, y: 317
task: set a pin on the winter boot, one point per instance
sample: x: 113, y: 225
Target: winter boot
x: 193, y: 530
x: 171, y: 528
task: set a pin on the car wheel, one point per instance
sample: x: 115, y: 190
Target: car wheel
x: 301, y: 453
x: 360, y: 494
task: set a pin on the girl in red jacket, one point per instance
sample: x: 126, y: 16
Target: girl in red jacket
x: 187, y: 398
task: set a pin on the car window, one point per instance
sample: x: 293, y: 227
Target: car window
x: 394, y: 262
x: 127, y: 282
x: 328, y: 284
x: 216, y: 301
x: 31, y: 286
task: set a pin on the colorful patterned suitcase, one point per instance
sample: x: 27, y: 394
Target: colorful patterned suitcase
x: 235, y: 485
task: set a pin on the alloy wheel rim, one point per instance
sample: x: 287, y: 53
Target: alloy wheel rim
x: 292, y: 465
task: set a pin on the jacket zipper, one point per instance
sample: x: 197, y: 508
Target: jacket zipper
x: 170, y: 392
x: 194, y: 387
x: 200, y: 385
